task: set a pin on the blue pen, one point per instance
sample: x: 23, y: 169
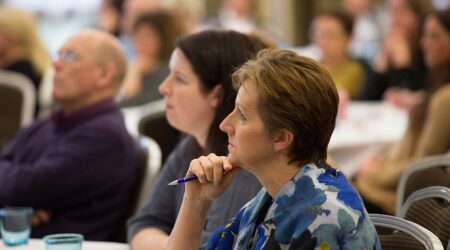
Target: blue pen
x: 183, y: 180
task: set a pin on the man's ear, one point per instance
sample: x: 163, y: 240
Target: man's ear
x: 216, y: 95
x: 283, y: 139
x: 107, y: 74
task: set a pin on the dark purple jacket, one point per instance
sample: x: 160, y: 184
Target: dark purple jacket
x: 81, y: 166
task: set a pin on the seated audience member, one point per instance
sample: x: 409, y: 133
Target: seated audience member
x: 305, y: 203
x: 20, y: 47
x: 131, y: 10
x: 428, y: 131
x: 153, y: 36
x: 331, y: 32
x: 399, y: 63
x: 370, y: 18
x: 109, y: 16
x: 242, y: 16
x: 77, y: 167
x: 199, y: 94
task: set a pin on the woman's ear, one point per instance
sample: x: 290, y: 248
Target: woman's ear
x: 283, y: 139
x: 216, y: 95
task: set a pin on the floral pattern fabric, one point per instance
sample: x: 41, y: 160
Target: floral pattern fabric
x: 317, y: 209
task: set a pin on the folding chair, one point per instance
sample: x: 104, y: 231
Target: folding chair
x: 17, y: 104
x: 397, y: 233
x: 150, y: 157
x: 430, y: 208
x: 430, y: 171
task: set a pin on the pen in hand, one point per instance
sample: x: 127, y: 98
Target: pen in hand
x: 183, y: 180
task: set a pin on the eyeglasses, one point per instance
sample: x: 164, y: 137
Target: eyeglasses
x: 66, y: 56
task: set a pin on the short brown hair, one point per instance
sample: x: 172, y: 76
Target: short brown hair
x: 295, y: 93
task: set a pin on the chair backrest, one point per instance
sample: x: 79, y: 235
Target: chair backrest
x: 152, y: 166
x: 429, y: 171
x: 150, y: 163
x: 155, y: 125
x: 430, y: 208
x: 46, y: 103
x: 17, y: 103
x: 398, y: 233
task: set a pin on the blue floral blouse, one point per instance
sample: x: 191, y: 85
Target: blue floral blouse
x: 317, y: 209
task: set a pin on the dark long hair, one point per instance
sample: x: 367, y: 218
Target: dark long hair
x: 436, y: 79
x: 214, y: 55
x: 442, y: 76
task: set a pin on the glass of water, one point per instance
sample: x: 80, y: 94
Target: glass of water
x: 15, y: 225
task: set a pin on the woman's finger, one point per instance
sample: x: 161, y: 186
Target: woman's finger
x: 208, y: 167
x: 195, y: 168
x: 218, y: 168
x: 227, y: 166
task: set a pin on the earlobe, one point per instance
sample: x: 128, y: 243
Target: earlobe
x: 282, y: 140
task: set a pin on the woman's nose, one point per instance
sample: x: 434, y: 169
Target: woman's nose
x: 163, y: 87
x: 225, y: 125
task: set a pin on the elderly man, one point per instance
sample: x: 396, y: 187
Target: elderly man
x: 77, y: 167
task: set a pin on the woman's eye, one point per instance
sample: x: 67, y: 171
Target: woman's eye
x: 242, y: 116
x: 179, y: 79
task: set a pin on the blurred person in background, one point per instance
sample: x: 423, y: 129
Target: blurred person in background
x: 242, y: 16
x: 239, y: 15
x: 131, y: 10
x: 21, y: 49
x: 428, y: 131
x: 153, y: 37
x: 109, y: 16
x: 370, y: 24
x: 399, y: 64
x: 77, y: 167
x: 331, y: 31
x: 199, y: 94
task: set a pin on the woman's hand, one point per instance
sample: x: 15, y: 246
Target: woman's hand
x: 41, y: 216
x: 214, y: 174
x: 404, y: 98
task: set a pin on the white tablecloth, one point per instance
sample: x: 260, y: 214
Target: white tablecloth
x: 367, y: 128
x: 38, y: 244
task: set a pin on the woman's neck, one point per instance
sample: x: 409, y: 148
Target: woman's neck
x: 274, y: 175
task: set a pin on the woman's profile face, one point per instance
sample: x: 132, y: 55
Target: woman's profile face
x: 435, y: 44
x: 188, y: 107
x: 249, y: 142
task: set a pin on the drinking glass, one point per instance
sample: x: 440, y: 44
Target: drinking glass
x: 15, y: 225
x: 63, y: 241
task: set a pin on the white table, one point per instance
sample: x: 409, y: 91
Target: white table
x: 38, y: 244
x: 367, y: 128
